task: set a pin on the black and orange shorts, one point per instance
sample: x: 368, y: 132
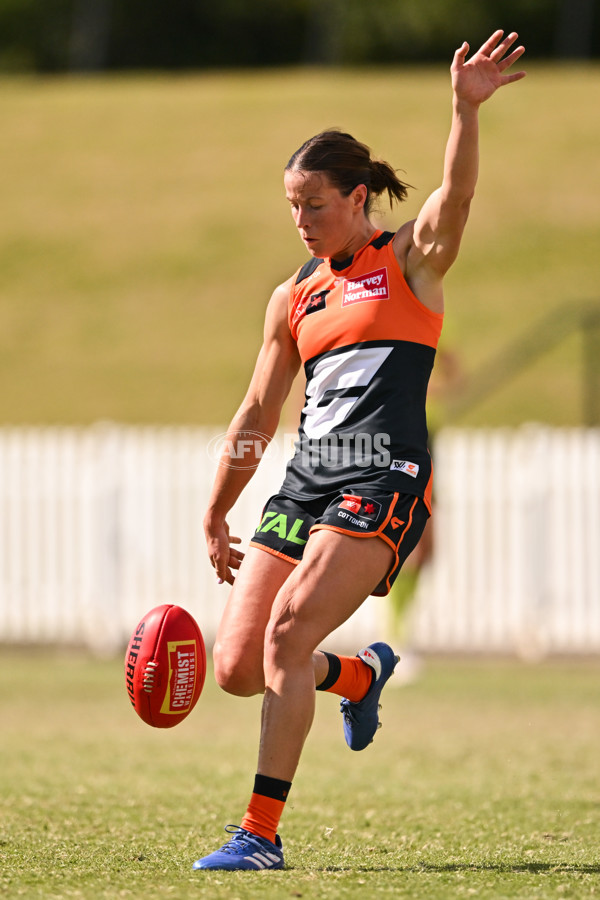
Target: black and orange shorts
x: 398, y: 519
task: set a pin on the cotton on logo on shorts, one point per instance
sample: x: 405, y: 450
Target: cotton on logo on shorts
x: 361, y: 506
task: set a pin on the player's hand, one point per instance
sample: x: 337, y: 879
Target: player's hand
x: 222, y: 555
x: 476, y: 79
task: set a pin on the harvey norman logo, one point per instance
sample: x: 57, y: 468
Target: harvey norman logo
x: 373, y: 286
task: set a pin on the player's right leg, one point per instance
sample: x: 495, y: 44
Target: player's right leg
x: 238, y: 653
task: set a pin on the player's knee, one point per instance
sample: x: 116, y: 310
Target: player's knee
x: 236, y: 674
x: 287, y: 639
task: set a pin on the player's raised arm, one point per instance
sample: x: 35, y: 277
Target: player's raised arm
x: 252, y: 428
x: 429, y: 246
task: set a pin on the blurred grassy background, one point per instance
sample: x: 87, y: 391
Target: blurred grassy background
x: 143, y: 227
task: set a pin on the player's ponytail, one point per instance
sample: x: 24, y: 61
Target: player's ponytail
x: 384, y: 178
x: 347, y: 163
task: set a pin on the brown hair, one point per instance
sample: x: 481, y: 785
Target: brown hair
x: 348, y: 163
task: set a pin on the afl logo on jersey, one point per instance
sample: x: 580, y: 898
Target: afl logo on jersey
x: 313, y: 304
x: 373, y: 286
x: 316, y: 302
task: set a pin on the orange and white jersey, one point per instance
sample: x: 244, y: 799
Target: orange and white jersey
x: 368, y: 346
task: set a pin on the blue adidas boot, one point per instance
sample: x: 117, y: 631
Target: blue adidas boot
x: 361, y: 719
x: 244, y: 851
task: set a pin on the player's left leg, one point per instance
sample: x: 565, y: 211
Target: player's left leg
x: 399, y: 520
x: 336, y: 574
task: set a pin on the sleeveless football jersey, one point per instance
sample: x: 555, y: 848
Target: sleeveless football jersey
x: 368, y: 346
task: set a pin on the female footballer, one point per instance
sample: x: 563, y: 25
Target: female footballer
x: 363, y: 316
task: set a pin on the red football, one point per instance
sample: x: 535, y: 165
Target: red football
x: 165, y: 666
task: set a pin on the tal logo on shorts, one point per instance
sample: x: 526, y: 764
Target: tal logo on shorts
x: 361, y: 506
x: 278, y: 522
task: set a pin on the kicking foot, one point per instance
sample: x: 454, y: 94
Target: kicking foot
x: 361, y: 719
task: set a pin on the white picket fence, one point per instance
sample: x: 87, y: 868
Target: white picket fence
x: 97, y: 525
x: 517, y: 543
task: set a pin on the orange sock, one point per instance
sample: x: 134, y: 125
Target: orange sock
x: 348, y: 677
x: 266, y: 806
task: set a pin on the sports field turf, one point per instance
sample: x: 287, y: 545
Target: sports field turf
x: 482, y: 783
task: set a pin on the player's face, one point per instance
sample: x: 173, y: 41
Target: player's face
x: 330, y: 224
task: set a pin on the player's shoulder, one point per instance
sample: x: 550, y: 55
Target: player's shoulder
x: 276, y: 320
x: 284, y: 292
x: 281, y: 295
x: 286, y: 285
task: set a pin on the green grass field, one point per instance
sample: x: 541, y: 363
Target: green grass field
x: 482, y: 783
x: 143, y: 227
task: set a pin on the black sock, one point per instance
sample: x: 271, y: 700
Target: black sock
x: 274, y: 788
x: 335, y: 667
